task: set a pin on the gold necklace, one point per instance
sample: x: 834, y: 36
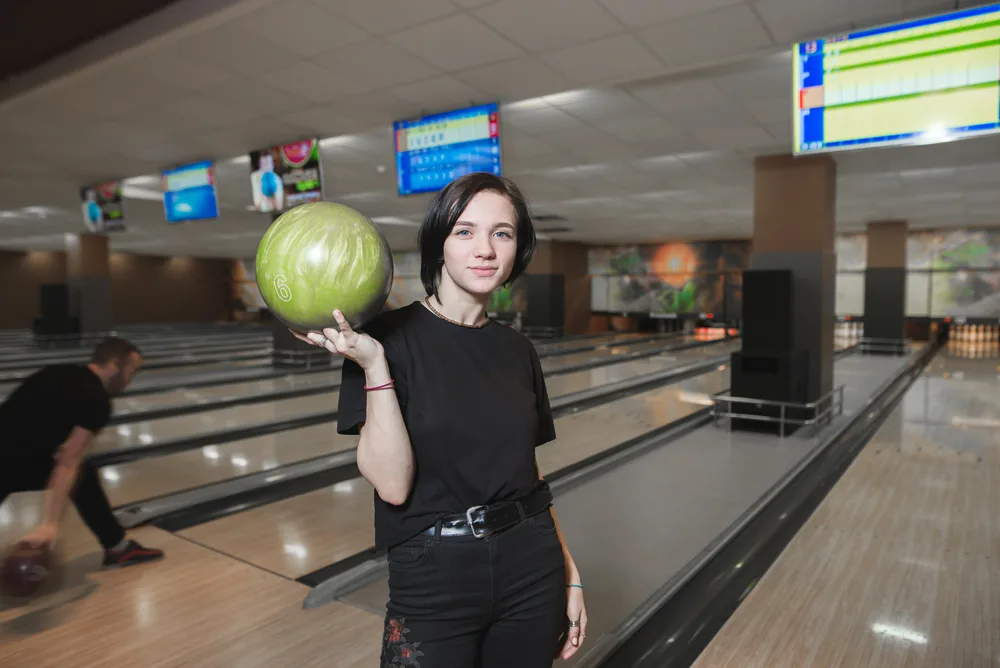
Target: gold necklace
x: 427, y: 300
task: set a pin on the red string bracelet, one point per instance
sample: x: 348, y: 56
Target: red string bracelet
x: 386, y: 386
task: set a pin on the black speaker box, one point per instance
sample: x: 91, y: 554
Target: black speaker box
x: 768, y: 310
x: 53, y: 301
x: 781, y: 377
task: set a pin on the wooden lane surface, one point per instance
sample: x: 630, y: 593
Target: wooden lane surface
x: 303, y: 533
x: 125, y: 405
x: 153, y: 431
x: 143, y: 479
x: 194, y: 608
x: 130, y: 404
x: 898, y: 566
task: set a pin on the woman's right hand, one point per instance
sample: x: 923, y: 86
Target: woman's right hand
x: 343, y: 340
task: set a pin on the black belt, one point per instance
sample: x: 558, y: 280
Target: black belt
x: 481, y: 521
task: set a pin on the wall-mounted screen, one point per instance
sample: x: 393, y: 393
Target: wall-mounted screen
x: 434, y: 150
x: 928, y: 80
x: 102, y: 207
x: 282, y: 177
x: 189, y: 193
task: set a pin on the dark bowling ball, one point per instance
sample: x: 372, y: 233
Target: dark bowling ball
x: 25, y: 569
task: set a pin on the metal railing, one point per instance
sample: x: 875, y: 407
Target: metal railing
x: 306, y: 359
x: 819, y: 412
x: 885, y: 346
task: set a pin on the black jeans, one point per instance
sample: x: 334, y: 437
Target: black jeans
x: 465, y: 602
x: 32, y: 475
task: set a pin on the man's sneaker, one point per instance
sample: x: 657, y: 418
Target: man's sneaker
x: 134, y: 553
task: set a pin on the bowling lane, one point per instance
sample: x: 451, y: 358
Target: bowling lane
x: 608, y: 351
x: 181, y: 396
x: 130, y: 404
x: 298, y: 535
x: 143, y: 479
x: 155, y: 431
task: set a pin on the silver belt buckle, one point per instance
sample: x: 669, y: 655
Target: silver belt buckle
x: 468, y: 517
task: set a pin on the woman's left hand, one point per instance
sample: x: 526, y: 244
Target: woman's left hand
x: 575, y: 611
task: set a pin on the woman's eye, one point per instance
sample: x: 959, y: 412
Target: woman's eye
x: 506, y: 234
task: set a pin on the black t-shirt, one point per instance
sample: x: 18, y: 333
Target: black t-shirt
x: 475, y: 406
x: 40, y: 414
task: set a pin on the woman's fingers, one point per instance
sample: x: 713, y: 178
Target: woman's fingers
x: 345, y: 327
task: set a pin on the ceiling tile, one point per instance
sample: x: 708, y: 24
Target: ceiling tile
x: 381, y: 17
x: 258, y: 96
x: 233, y: 50
x: 323, y: 121
x: 377, y: 107
x: 176, y: 70
x: 197, y: 114
x: 774, y: 110
x: 517, y: 79
x: 552, y: 24
x: 636, y: 127
x: 609, y: 60
x: 679, y: 96
x: 641, y: 13
x: 791, y: 20
x: 439, y: 94
x: 758, y: 84
x: 376, y: 64
x: 301, y: 28
x: 456, y: 43
x: 707, y: 38
x: 313, y: 82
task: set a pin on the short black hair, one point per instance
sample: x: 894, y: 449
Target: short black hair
x: 113, y: 349
x: 448, y: 205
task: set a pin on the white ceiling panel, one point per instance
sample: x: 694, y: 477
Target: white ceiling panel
x: 376, y: 64
x: 641, y: 13
x: 302, y: 28
x: 381, y: 17
x: 644, y: 113
x: 309, y: 81
x: 456, y: 43
x: 552, y: 24
x: 612, y: 59
x: 516, y: 79
x: 707, y: 38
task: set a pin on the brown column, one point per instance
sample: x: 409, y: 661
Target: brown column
x: 88, y: 276
x: 557, y: 288
x: 789, y: 291
x: 885, y: 285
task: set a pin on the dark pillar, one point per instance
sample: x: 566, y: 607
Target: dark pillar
x: 89, y: 280
x: 885, y: 287
x: 789, y: 289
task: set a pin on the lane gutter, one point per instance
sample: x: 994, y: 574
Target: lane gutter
x: 672, y: 628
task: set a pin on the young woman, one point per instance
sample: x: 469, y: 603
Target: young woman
x: 450, y: 407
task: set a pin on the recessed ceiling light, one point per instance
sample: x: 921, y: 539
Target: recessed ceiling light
x: 380, y: 169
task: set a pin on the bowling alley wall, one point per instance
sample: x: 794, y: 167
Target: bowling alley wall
x: 145, y: 289
x: 949, y: 273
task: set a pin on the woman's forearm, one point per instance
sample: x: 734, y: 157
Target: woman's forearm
x: 385, y: 456
x: 572, y: 573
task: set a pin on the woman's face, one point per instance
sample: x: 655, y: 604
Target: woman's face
x: 479, y: 252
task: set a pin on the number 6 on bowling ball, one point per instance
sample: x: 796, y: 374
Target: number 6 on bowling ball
x: 322, y: 256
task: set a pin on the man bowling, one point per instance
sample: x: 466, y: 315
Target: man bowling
x: 46, y: 426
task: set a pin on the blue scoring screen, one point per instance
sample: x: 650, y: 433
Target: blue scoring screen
x: 434, y: 150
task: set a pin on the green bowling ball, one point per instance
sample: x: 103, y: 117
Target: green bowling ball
x: 322, y: 256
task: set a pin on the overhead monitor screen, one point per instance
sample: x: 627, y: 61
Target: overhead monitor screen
x: 928, y: 80
x: 285, y: 176
x: 189, y: 193
x: 102, y: 207
x: 434, y: 150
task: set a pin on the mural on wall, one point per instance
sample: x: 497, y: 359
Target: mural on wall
x: 949, y: 273
x: 852, y: 252
x: 668, y: 278
x: 246, y: 296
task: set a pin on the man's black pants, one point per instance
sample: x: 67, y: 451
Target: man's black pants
x: 32, y: 474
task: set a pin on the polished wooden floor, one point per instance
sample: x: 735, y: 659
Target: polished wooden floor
x: 197, y: 608
x: 900, y: 565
